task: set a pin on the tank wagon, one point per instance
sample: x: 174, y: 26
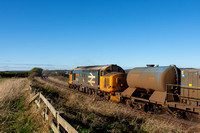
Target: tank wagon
x: 152, y: 88
x: 102, y: 80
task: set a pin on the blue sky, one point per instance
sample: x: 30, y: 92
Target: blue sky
x: 63, y: 34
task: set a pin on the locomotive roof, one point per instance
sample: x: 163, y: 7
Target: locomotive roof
x: 110, y: 74
x: 98, y: 67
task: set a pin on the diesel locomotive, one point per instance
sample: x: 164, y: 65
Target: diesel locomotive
x: 101, y: 80
x: 150, y: 88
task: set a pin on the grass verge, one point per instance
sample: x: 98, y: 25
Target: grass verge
x: 15, y: 113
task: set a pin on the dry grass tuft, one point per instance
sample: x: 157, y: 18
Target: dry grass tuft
x: 15, y: 113
x: 10, y: 89
x: 9, y: 92
x: 157, y: 126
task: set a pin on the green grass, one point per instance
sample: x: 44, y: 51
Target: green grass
x: 22, y: 123
x: 2, y: 79
x: 17, y: 120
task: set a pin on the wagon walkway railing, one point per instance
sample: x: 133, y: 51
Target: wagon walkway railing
x: 49, y: 114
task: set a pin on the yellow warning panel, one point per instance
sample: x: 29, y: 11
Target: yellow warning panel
x: 114, y: 98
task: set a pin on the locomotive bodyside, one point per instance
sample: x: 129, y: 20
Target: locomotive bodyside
x: 103, y: 78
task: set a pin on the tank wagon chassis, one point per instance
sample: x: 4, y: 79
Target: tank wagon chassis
x: 172, y: 103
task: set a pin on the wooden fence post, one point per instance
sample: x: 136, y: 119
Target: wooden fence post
x: 48, y: 109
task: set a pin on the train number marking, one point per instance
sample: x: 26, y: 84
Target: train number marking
x: 91, y: 76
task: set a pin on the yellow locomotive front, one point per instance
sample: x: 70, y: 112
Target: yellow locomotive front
x: 70, y: 79
x: 113, y: 82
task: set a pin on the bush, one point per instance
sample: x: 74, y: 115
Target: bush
x: 35, y: 72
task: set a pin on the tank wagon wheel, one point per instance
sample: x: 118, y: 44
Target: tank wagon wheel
x: 147, y: 107
x: 143, y: 106
x: 128, y: 102
x: 139, y: 106
x: 177, y: 113
x: 156, y: 109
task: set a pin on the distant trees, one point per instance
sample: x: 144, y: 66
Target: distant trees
x: 35, y: 72
x: 8, y: 74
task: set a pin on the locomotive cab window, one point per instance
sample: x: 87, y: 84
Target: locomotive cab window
x: 102, y: 73
x: 108, y: 70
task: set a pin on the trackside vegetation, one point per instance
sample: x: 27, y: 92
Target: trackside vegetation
x: 16, y: 115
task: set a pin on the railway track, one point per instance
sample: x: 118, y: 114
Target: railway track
x: 97, y: 97
x: 187, y: 125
